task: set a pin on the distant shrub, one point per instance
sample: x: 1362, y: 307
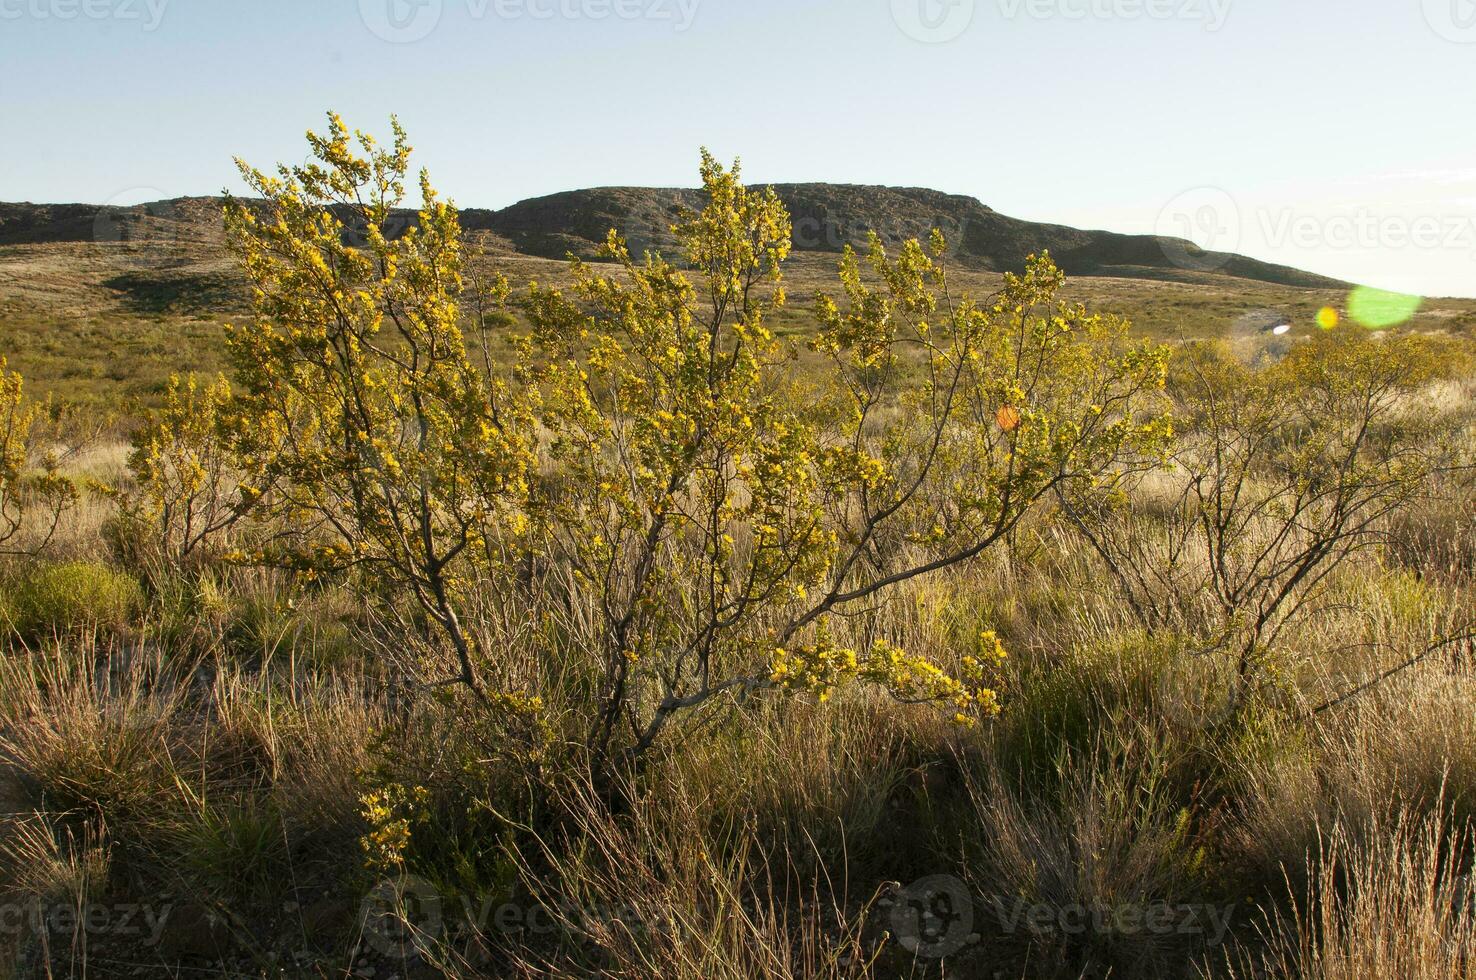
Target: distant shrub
x: 29, y: 481
x: 68, y: 595
x: 127, y: 537
x: 187, y: 487
x: 1284, y: 472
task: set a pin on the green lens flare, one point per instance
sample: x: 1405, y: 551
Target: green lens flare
x: 1377, y: 309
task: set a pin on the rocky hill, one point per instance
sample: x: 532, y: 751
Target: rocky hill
x: 826, y: 218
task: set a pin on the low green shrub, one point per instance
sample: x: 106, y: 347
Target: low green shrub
x: 55, y: 598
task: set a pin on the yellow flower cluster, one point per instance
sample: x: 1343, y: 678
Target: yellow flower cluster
x: 816, y: 669
x: 390, y: 813
x: 819, y: 668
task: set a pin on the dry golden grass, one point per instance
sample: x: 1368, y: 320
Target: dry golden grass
x: 1393, y: 903
x: 767, y: 848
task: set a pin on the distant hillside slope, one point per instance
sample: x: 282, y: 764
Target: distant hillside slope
x: 185, y: 219
x: 829, y: 216
x: 826, y: 218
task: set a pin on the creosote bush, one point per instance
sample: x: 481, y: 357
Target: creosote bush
x: 34, y: 496
x: 186, y: 477
x: 704, y: 528
x: 362, y: 422
x: 1281, y: 472
x: 719, y: 527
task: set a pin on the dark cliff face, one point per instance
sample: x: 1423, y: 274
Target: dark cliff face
x: 826, y: 218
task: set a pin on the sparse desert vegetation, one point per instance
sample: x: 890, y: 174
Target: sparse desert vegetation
x: 642, y: 621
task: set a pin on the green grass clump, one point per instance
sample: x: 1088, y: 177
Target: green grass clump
x: 56, y: 598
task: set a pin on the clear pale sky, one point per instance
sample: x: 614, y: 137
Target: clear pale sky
x: 1335, y: 135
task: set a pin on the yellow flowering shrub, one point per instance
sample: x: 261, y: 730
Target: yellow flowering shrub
x: 361, y: 418
x: 188, y: 486
x: 654, y: 465
x: 30, y: 483
x: 820, y: 667
x: 1021, y: 396
x: 716, y: 521
x: 390, y: 814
